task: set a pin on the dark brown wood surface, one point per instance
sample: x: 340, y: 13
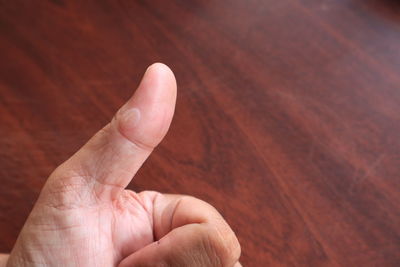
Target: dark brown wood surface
x: 287, y: 120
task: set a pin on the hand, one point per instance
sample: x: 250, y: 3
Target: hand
x: 85, y: 217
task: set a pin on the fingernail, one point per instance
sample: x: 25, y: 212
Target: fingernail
x: 131, y: 117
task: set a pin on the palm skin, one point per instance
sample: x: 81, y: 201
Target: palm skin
x: 97, y: 235
x: 85, y: 216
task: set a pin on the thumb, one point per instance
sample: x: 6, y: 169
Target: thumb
x: 106, y: 164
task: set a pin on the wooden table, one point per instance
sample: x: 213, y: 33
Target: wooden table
x: 288, y: 114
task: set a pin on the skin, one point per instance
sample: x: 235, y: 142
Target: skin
x: 85, y: 216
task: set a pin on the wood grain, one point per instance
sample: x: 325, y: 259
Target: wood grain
x: 288, y: 114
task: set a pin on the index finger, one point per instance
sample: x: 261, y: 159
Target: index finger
x: 188, y: 232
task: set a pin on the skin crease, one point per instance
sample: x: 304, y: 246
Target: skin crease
x: 85, y: 217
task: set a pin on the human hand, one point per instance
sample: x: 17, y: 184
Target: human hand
x: 85, y: 217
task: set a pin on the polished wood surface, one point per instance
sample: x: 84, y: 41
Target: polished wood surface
x: 287, y: 121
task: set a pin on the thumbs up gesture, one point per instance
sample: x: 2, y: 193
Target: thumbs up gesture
x: 85, y: 217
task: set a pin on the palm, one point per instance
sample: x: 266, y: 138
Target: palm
x: 97, y: 235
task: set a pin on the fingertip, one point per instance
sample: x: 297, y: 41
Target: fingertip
x: 146, y: 117
x: 161, y: 71
x: 160, y: 80
x: 159, y: 66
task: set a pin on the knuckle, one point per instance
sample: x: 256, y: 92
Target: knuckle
x: 223, y: 245
x: 235, y: 249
